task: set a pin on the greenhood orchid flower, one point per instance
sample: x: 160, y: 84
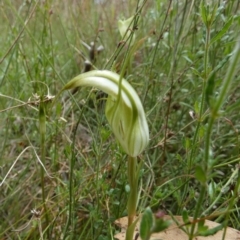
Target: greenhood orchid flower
x: 124, y: 110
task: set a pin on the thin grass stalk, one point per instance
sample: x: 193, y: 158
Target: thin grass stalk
x: 35, y: 41
x: 155, y: 51
x: 71, y: 184
x: 199, y: 122
x: 171, y: 75
x: 71, y: 174
x: 196, y: 133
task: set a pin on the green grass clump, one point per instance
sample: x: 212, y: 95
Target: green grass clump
x: 66, y: 156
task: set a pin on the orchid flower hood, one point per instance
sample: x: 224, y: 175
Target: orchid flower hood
x: 124, y: 110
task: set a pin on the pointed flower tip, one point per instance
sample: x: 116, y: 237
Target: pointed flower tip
x: 72, y: 84
x: 125, y: 26
x: 125, y: 114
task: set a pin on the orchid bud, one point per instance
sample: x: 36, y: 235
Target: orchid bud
x: 125, y: 26
x: 124, y: 112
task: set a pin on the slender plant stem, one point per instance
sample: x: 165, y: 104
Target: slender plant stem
x: 204, y: 185
x: 208, y: 135
x: 71, y: 183
x: 42, y: 130
x: 199, y: 122
x: 214, y: 114
x: 133, y: 175
x: 133, y: 183
x: 207, y: 142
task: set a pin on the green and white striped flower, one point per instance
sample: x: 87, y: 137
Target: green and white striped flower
x: 124, y: 112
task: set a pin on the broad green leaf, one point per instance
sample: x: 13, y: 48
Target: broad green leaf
x: 146, y: 224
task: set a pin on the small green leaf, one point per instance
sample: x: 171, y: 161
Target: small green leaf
x: 197, y: 107
x: 203, y: 13
x: 208, y: 15
x: 185, y: 216
x: 195, y: 71
x: 160, y: 225
x: 200, y: 174
x: 202, y: 129
x: 222, y: 63
x: 201, y: 226
x: 187, y: 143
x: 212, y: 16
x: 209, y: 232
x: 212, y: 190
x: 146, y: 223
x: 127, y: 188
x: 225, y: 28
x: 210, y: 88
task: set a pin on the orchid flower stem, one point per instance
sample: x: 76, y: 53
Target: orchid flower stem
x: 133, y: 182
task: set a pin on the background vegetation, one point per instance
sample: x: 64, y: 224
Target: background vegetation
x: 177, y: 65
